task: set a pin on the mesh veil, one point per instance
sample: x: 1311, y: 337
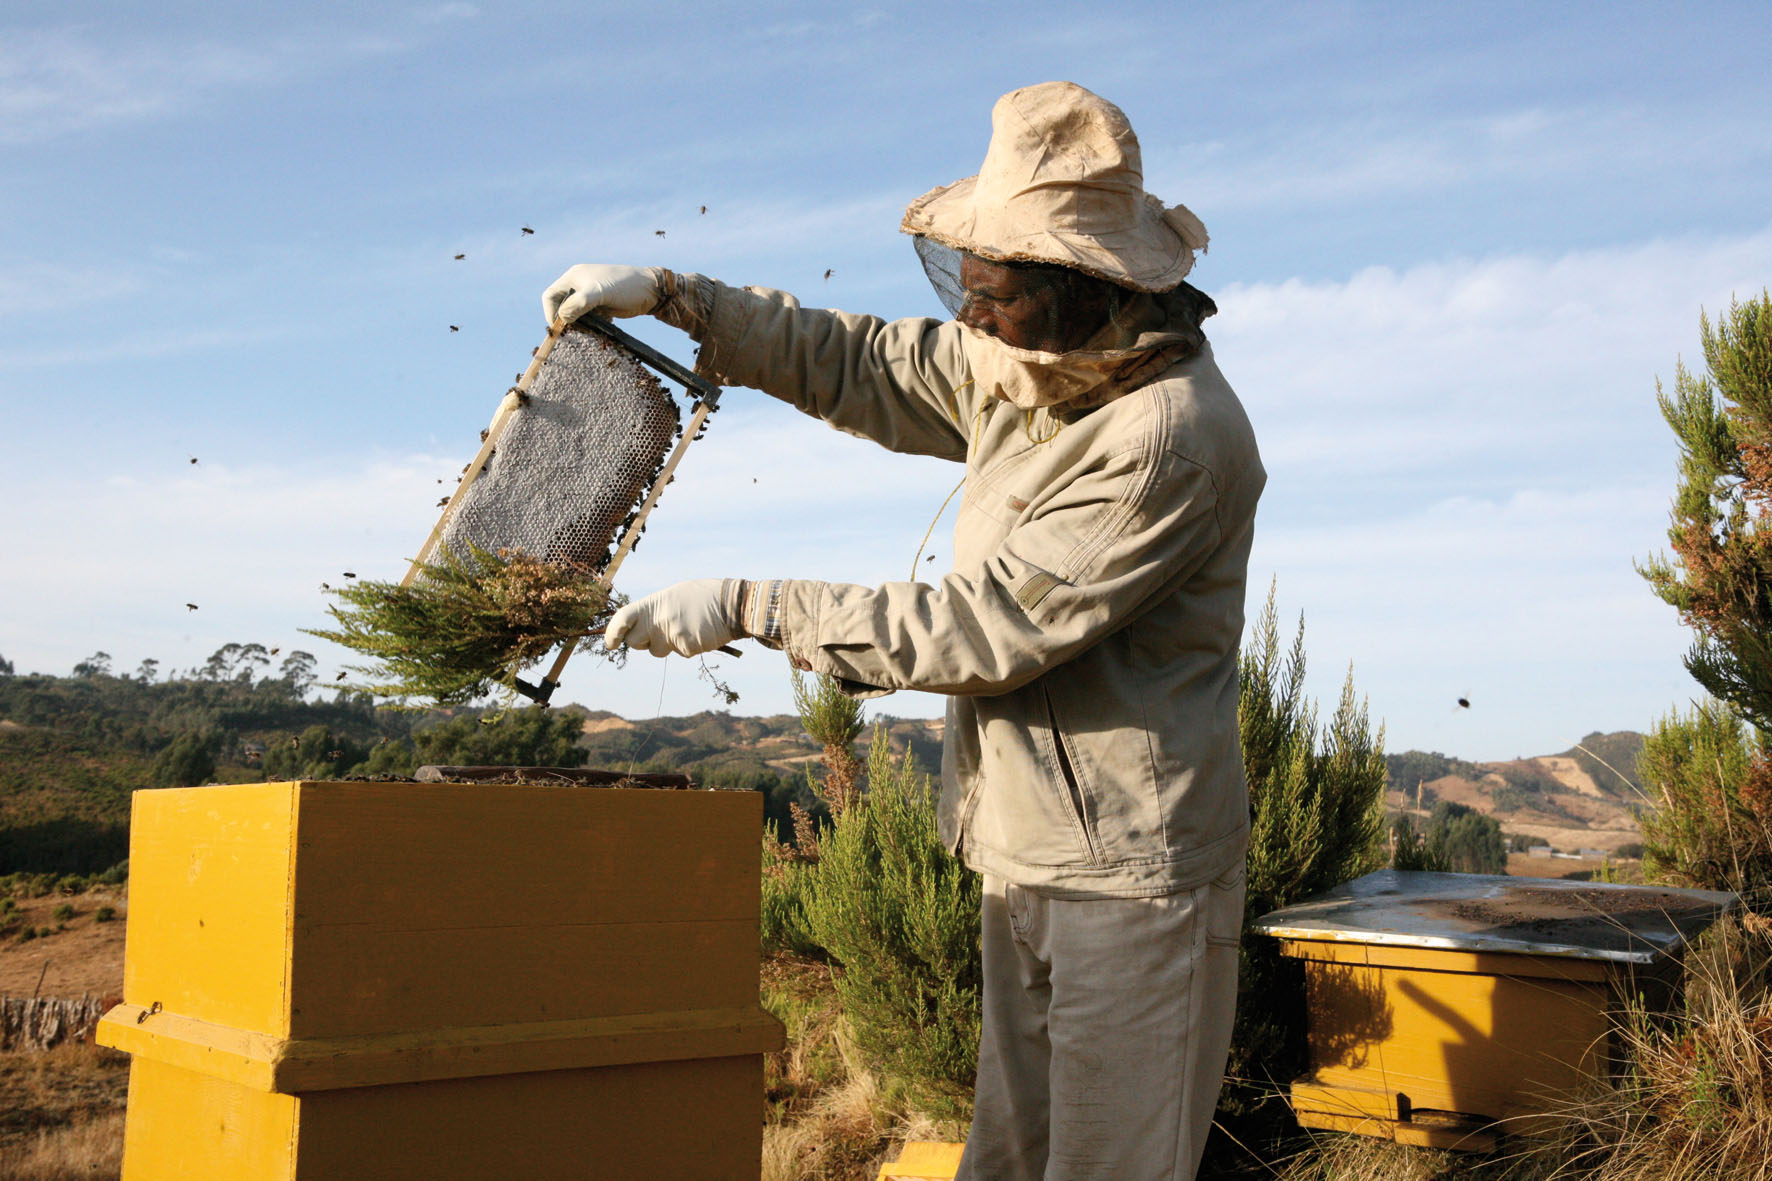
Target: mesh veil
x: 1078, y: 294
x: 942, y: 265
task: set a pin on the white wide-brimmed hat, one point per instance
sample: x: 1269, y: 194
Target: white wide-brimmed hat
x: 1063, y: 182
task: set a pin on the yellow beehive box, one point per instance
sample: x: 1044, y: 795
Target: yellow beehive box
x: 1445, y: 1009
x: 394, y: 979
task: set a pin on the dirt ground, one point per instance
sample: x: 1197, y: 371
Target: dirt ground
x: 85, y: 958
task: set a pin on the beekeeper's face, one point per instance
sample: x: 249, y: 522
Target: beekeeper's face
x: 1044, y: 308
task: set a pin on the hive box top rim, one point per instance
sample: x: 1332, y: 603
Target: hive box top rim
x: 1498, y: 913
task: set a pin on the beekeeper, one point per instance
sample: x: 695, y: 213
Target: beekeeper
x: 1086, y: 638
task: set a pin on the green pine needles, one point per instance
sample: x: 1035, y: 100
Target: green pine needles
x: 466, y: 624
x: 1720, y: 577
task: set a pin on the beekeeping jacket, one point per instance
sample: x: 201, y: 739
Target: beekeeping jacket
x: 1087, y: 634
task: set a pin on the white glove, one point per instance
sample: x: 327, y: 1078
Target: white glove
x: 602, y: 287
x: 689, y: 618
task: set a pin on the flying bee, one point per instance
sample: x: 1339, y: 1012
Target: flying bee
x: 443, y: 503
x: 930, y: 558
x: 190, y: 606
x: 827, y: 275
x: 340, y: 677
x: 455, y: 328
x: 704, y: 208
x: 274, y: 651
x: 658, y: 233
x: 348, y: 574
x: 527, y: 230
x: 193, y: 459
x: 1464, y: 703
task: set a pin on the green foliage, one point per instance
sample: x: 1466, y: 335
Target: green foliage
x: 899, y: 916
x: 833, y: 719
x: 104, y: 914
x: 1610, y: 760
x: 28, y: 934
x: 186, y: 762
x: 1411, y: 850
x: 1509, y: 798
x: 786, y: 881
x: 1404, y: 771
x: 317, y: 754
x: 1720, y: 579
x: 1712, y: 826
x: 466, y: 623
x: 1316, y: 794
x: 63, y: 912
x: 531, y: 737
x: 1466, y: 841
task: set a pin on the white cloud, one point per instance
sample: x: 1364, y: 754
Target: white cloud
x: 53, y: 286
x: 1499, y: 365
x: 1322, y: 163
x: 61, y: 80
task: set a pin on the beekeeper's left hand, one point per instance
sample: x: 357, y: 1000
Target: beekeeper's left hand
x: 689, y: 618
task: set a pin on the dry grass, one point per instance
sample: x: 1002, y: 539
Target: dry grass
x: 1694, y: 1099
x: 61, y: 1112
x: 830, y: 1118
x: 89, y: 1148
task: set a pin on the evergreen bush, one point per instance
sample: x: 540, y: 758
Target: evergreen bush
x: 1707, y: 832
x: 186, y: 762
x: 1711, y: 776
x: 900, y: 917
x: 1316, y: 796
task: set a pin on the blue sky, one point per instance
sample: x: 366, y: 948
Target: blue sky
x: 1453, y: 247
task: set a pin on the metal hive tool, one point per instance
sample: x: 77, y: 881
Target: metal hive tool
x: 574, y: 460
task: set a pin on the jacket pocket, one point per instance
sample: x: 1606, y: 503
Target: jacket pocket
x: 1075, y: 801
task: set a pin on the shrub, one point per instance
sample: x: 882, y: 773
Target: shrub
x: 1714, y: 824
x: 186, y: 762
x: 1317, y: 796
x: 1713, y: 828
x: 1466, y: 840
x: 900, y: 916
x: 1411, y: 850
x: 785, y: 876
x: 104, y: 914
x: 63, y: 912
x: 30, y: 933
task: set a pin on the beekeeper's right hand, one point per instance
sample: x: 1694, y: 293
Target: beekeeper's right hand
x: 604, y: 288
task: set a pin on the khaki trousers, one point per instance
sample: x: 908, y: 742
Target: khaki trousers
x: 1106, y: 1026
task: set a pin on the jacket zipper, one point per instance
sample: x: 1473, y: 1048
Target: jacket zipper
x: 1072, y: 788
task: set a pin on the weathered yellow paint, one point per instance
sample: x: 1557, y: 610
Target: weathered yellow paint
x: 184, y: 1125
x: 443, y: 980
x: 1424, y: 1045
x: 213, y: 867
x: 924, y: 1160
x: 307, y: 1064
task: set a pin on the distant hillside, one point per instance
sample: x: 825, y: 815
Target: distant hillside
x: 720, y: 746
x: 72, y: 749
x: 1586, y: 797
